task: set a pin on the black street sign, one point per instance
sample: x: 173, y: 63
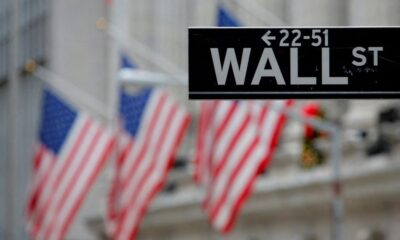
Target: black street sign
x: 279, y: 63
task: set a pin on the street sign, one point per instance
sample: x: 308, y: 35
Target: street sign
x: 297, y: 63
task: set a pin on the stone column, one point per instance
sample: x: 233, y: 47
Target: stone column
x: 374, y: 13
x: 363, y: 113
x: 316, y: 12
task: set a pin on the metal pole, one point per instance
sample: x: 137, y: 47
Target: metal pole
x: 13, y: 81
x: 129, y: 43
x: 337, y: 201
x: 74, y: 94
x: 113, y: 58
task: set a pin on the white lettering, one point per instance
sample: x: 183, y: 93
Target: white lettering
x: 275, y: 71
x: 239, y: 72
x: 362, y: 60
x: 294, y: 70
x: 326, y: 78
x: 375, y: 51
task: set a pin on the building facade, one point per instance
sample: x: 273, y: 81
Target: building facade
x: 288, y: 202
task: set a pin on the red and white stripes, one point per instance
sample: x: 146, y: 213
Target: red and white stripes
x: 61, y: 182
x: 235, y: 141
x: 144, y: 163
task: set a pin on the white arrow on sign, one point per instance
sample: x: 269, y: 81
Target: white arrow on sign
x: 266, y: 38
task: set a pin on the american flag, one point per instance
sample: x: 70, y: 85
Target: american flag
x: 153, y: 125
x: 71, y: 151
x: 235, y: 143
x: 226, y: 18
x: 271, y: 122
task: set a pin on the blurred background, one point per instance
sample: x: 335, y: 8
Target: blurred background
x: 80, y: 42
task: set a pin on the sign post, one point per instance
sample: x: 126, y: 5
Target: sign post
x: 296, y: 63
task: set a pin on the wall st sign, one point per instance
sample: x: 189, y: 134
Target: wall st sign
x: 252, y: 63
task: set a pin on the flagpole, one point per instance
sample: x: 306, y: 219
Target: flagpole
x: 13, y: 81
x: 131, y: 44
x: 69, y: 91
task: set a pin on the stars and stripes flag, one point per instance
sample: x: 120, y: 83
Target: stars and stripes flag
x: 236, y: 140
x: 226, y: 18
x: 235, y: 143
x: 71, y: 151
x: 152, y: 128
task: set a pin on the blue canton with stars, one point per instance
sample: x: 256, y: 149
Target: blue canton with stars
x: 57, y: 120
x: 226, y: 19
x: 126, y: 62
x: 132, y: 108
